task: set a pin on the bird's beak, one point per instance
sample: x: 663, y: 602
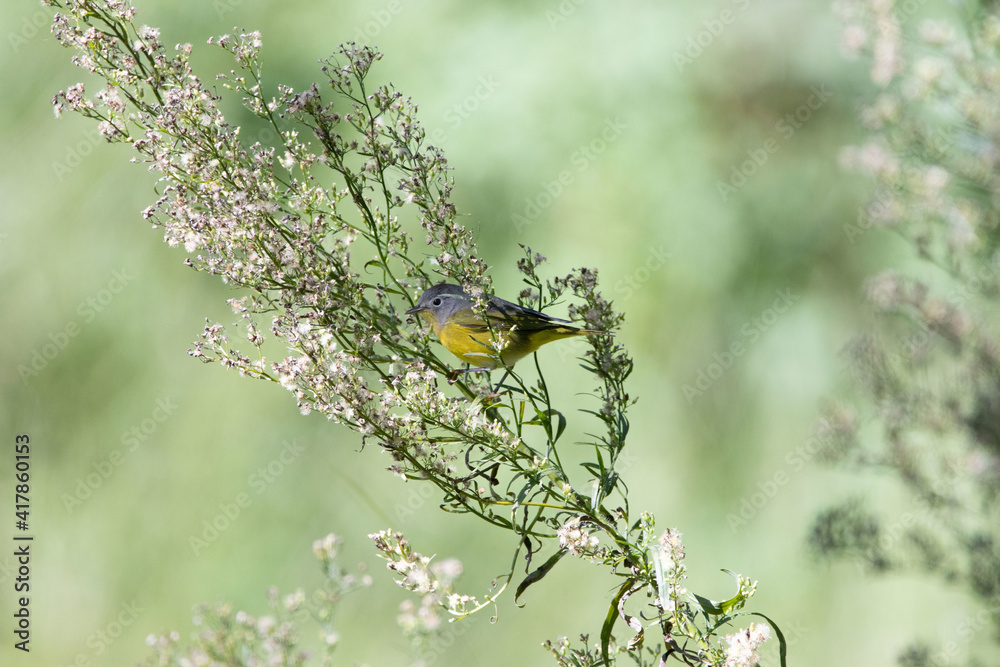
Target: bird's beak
x: 411, y: 311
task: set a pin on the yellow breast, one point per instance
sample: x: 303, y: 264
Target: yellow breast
x: 473, y: 347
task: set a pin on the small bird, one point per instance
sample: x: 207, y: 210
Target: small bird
x: 452, y: 316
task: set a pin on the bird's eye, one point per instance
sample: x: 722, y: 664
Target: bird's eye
x: 436, y: 301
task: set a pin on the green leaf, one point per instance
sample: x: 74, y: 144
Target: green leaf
x: 608, y: 482
x: 543, y: 418
x: 561, y: 423
x: 725, y: 607
x: 609, y: 621
x: 737, y: 601
x: 623, y: 425
x: 522, y: 494
x: 539, y: 574
x: 710, y: 606
x: 732, y: 604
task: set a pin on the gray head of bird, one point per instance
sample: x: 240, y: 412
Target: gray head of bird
x: 440, y: 302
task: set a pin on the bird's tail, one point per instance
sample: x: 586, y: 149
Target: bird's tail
x: 573, y: 331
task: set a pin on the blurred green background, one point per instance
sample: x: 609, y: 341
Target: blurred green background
x: 641, y: 109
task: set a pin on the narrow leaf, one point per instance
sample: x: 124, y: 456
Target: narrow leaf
x: 609, y: 621
x: 710, y: 606
x: 538, y: 574
x: 560, y: 423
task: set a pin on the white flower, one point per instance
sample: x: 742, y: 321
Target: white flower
x: 743, y: 645
x: 577, y: 540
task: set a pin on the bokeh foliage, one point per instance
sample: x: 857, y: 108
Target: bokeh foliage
x: 518, y: 99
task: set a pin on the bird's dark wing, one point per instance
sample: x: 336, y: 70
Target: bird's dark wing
x: 505, y: 314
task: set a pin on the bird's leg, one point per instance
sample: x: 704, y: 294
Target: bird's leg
x: 506, y: 374
x: 494, y: 391
x: 453, y: 375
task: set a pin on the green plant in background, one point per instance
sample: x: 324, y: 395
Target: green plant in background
x: 318, y: 233
x: 930, y: 376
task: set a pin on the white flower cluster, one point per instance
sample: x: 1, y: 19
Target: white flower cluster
x: 434, y: 582
x: 577, y: 540
x: 744, y: 645
x: 670, y: 553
